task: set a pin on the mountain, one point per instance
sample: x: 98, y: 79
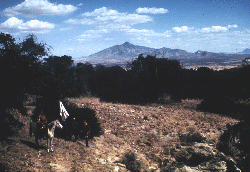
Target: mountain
x: 246, y: 51
x: 127, y: 52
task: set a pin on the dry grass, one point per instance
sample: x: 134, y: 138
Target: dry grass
x: 151, y: 132
x: 214, y: 67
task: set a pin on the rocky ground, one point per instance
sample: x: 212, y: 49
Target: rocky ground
x: 164, y: 137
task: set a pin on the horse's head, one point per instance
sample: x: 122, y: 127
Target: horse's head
x: 58, y: 124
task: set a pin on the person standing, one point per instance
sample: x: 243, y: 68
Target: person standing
x: 86, y: 132
x: 42, y: 124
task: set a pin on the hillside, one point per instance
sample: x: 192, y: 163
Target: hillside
x: 154, y: 133
x: 127, y: 52
x: 246, y: 51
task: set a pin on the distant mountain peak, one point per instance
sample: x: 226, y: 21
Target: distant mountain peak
x: 127, y: 52
x: 202, y: 53
x: 246, y: 51
x: 126, y: 43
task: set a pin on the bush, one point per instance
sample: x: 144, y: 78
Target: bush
x: 235, y: 142
x: 74, y: 124
x: 8, y: 125
x: 192, y: 137
x: 217, y: 104
x: 131, y: 163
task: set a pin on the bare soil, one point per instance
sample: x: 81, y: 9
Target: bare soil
x: 149, y: 131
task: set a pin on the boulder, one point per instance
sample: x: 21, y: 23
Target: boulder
x: 219, y: 166
x: 191, y: 137
x: 195, y: 154
x: 184, y: 169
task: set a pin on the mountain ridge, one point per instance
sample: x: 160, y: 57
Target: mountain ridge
x: 246, y: 51
x: 127, y: 52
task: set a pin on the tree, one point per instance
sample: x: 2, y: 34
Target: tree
x: 60, y: 68
x: 157, y: 76
x: 32, y: 50
x: 19, y: 64
x: 84, y: 72
x: 12, y: 95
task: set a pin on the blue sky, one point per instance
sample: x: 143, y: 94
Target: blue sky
x: 82, y: 27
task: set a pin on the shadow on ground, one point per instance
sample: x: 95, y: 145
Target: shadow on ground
x: 32, y: 145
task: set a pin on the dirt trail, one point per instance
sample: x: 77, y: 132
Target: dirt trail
x: 148, y: 131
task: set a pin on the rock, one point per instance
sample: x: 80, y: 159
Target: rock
x: 182, y: 156
x: 231, y: 163
x: 220, y: 166
x: 184, y: 169
x: 204, y: 148
x: 194, y: 155
x: 191, y: 137
x: 200, y: 157
x: 171, y: 161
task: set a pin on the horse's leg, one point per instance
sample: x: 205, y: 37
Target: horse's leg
x: 51, y: 144
x: 36, y: 138
x: 30, y: 130
x: 48, y: 143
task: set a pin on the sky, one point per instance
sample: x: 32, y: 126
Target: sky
x: 80, y: 28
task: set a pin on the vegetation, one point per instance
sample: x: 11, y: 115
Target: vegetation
x: 20, y: 65
x: 74, y: 124
x: 27, y: 68
x: 131, y: 163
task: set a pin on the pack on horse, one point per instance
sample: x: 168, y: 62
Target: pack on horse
x: 41, y: 129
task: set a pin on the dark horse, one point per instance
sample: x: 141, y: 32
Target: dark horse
x: 50, y: 130
x: 72, y: 128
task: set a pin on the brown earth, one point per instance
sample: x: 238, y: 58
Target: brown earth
x: 150, y: 131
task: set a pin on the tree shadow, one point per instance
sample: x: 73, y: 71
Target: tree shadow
x: 32, y: 145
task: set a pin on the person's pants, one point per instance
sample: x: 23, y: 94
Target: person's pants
x: 87, y: 142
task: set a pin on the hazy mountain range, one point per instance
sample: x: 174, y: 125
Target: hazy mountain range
x: 127, y: 52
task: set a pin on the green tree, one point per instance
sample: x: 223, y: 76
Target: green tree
x: 19, y: 64
x: 61, y: 69
x: 84, y: 72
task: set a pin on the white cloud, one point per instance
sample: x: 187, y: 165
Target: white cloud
x: 97, y: 31
x: 151, y: 10
x: 91, y: 34
x: 145, y: 32
x: 38, y: 7
x: 12, y: 23
x: 213, y: 29
x: 232, y: 26
x: 180, y: 29
x: 37, y: 26
x: 110, y: 19
x: 79, y: 5
x: 109, y: 39
x: 88, y: 37
x: 84, y: 21
x: 102, y: 12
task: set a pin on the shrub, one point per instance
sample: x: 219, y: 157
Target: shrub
x: 131, y: 163
x: 217, y: 104
x: 235, y: 142
x: 191, y: 137
x: 74, y: 124
x: 8, y: 125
